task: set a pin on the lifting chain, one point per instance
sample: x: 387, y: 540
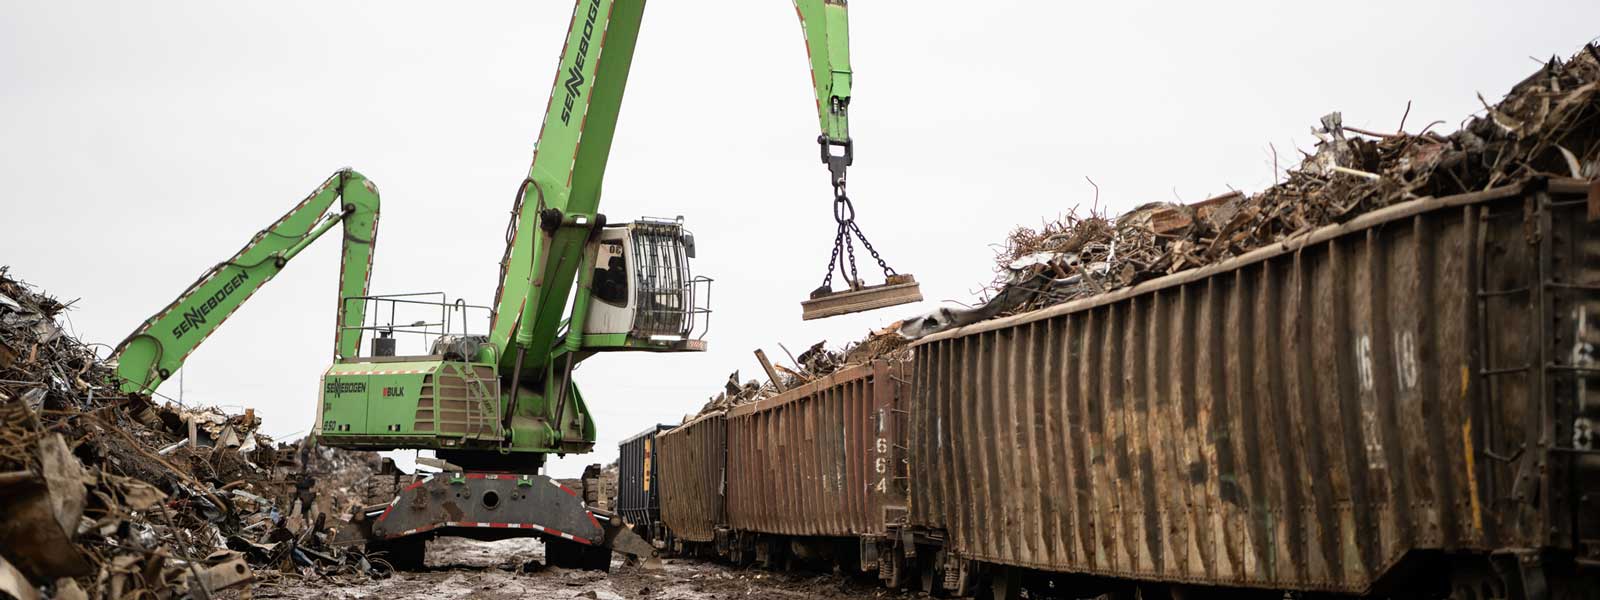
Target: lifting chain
x: 844, y: 213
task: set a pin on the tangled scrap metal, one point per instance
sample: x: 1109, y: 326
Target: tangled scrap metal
x: 109, y: 495
x: 1548, y: 124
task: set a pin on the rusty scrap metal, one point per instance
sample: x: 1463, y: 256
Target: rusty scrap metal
x: 115, y: 491
x: 772, y: 372
x: 1547, y: 125
x: 228, y: 570
x: 14, y: 583
x: 42, y: 512
x: 816, y: 362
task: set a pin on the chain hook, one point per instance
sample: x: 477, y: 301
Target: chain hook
x: 844, y: 213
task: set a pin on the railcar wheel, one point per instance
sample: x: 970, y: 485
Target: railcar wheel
x: 963, y: 581
x: 897, y: 578
x: 764, y: 551
x: 932, y: 571
x: 1005, y: 584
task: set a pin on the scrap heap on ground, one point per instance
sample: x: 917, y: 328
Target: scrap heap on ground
x: 106, y: 495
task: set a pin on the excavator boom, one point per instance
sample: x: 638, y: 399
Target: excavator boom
x: 827, y: 30
x: 156, y: 350
x: 556, y: 210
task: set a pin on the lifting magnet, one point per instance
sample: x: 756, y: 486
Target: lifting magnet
x: 898, y: 289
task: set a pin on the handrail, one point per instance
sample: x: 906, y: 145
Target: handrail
x: 454, y: 317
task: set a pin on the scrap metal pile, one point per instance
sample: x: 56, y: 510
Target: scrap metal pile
x: 108, y: 495
x: 816, y: 362
x: 1549, y: 124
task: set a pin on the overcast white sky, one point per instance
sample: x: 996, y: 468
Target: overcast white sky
x: 142, y: 142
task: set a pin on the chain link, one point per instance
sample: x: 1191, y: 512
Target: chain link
x: 827, y: 282
x: 850, y: 250
x: 844, y: 213
x: 887, y: 270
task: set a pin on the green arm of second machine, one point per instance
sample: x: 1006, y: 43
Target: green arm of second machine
x: 158, y: 347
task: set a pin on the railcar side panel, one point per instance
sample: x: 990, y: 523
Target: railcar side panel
x: 1304, y: 416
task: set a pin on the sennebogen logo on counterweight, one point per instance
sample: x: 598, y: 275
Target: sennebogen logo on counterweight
x: 336, y: 387
x: 575, y: 77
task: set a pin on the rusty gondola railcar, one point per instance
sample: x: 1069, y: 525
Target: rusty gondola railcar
x: 693, y: 459
x: 1401, y: 400
x: 821, y: 460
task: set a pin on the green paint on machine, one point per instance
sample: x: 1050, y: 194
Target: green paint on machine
x: 412, y: 404
x: 501, y: 399
x: 513, y: 393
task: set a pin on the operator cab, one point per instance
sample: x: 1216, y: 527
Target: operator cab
x: 642, y: 286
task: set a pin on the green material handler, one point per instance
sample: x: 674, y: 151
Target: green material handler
x: 494, y: 404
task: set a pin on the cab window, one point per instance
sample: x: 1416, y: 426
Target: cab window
x: 611, y: 274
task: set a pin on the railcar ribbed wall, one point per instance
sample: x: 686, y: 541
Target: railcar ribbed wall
x: 823, y: 459
x: 693, y: 477
x: 1299, y: 417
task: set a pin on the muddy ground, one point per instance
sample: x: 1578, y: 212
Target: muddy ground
x: 510, y: 569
